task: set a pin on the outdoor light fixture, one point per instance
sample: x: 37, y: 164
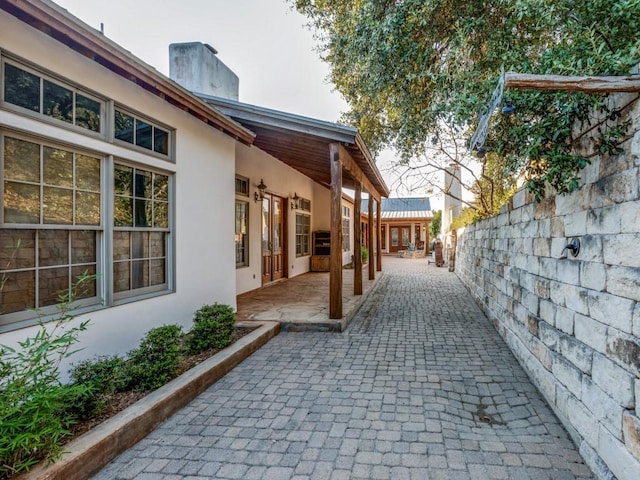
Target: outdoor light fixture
x: 295, y: 202
x: 259, y: 195
x: 508, y: 109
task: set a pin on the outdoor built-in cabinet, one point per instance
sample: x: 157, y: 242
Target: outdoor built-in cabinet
x: 321, y: 244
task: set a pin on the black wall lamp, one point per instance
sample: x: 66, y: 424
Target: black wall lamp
x: 259, y: 195
x: 295, y: 202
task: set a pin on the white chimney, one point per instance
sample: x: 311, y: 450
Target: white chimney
x: 196, y: 67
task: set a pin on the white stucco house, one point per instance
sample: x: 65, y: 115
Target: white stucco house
x: 174, y: 196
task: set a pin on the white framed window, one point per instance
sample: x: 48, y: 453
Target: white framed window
x: 141, y: 132
x: 242, y: 233
x: 346, y: 228
x: 242, y: 186
x: 37, y: 93
x: 303, y: 235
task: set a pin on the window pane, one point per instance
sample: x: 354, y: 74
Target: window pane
x: 142, y: 213
x: 57, y: 206
x: 139, y: 244
x: 160, y: 187
x: 53, y: 247
x: 87, y: 113
x: 139, y: 274
x: 157, y: 247
x: 160, y: 215
x: 21, y: 88
x: 57, y: 167
x: 143, y: 134
x: 157, y: 275
x: 83, y: 246
x: 123, y: 215
x: 21, y: 203
x: 143, y: 184
x: 57, y: 101
x: 86, y: 288
x: 123, y: 127
x: 52, y: 284
x: 21, y: 160
x: 121, y: 276
x: 160, y: 141
x: 123, y: 180
x: 88, y: 173
x: 17, y: 249
x: 18, y: 292
x: 121, y: 245
x: 87, y: 208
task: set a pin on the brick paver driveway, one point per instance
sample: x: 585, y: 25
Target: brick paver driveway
x: 419, y: 387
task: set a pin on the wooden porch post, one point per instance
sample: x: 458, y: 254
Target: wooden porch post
x: 335, y: 260
x: 378, y: 238
x: 372, y: 248
x: 357, y: 241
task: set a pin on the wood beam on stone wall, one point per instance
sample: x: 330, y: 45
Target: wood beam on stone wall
x: 588, y: 84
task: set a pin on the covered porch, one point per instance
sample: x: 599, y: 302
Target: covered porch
x: 300, y: 303
x: 333, y: 156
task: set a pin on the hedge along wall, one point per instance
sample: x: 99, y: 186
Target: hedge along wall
x: 574, y: 323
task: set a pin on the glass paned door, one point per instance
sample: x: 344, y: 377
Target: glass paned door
x: 273, y: 239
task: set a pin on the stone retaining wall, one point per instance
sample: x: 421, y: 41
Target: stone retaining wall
x: 574, y: 323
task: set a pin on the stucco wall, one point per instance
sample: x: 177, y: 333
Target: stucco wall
x: 573, y: 323
x: 204, y: 186
x: 283, y: 181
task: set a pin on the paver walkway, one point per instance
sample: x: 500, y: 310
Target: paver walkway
x: 420, y: 386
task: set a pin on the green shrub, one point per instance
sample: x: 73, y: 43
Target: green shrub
x: 364, y: 251
x: 213, y: 327
x: 33, y: 403
x: 156, y: 361
x: 103, y: 374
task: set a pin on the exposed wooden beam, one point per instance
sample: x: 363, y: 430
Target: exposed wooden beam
x: 356, y: 172
x: 575, y: 84
x: 378, y: 238
x: 357, y: 241
x: 372, y: 249
x: 335, y: 257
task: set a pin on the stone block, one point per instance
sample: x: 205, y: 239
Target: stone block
x: 568, y: 271
x: 546, y: 208
x: 542, y: 247
x: 637, y: 389
x: 611, y: 310
x: 636, y: 320
x: 557, y: 227
x: 564, y: 319
x: 544, y: 227
x: 548, y: 312
x: 549, y: 335
x: 548, y: 268
x: 624, y: 282
x: 615, y: 454
x: 620, y: 249
x: 519, y: 198
x: 620, y: 187
x: 617, y: 382
x: 533, y: 265
x: 531, y: 302
x: 575, y: 224
x: 591, y: 249
x: 594, y: 461
x: 590, y: 332
x: 593, y: 276
x: 603, y: 221
x: 576, y: 352
x: 581, y: 418
x: 631, y: 434
x: 602, y: 406
x: 568, y: 375
x: 624, y: 350
x: 629, y: 213
x: 576, y: 299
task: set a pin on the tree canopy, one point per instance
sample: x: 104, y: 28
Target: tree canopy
x: 407, y: 66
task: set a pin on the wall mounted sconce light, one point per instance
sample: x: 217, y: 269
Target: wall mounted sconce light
x: 295, y: 202
x: 259, y: 195
x: 573, y: 246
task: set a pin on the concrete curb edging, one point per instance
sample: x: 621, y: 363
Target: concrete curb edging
x: 88, y: 453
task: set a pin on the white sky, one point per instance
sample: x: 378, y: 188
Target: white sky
x: 265, y: 42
